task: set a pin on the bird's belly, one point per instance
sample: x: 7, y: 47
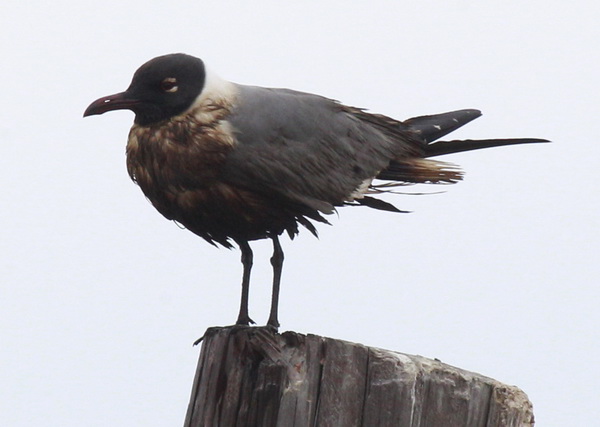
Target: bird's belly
x: 220, y: 212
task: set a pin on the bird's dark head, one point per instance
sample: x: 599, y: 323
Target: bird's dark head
x: 161, y: 88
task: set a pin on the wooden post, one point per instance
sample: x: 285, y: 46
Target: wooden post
x: 251, y: 376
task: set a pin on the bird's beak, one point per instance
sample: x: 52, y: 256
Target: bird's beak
x: 118, y: 101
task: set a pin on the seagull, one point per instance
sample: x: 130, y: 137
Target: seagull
x: 234, y: 163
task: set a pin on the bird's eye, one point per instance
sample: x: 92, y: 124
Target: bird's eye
x: 169, y: 85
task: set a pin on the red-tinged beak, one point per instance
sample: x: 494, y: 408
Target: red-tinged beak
x: 118, y: 101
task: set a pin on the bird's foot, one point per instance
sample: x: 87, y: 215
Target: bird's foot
x: 208, y: 332
x: 214, y: 329
x: 244, y: 320
x: 273, y: 323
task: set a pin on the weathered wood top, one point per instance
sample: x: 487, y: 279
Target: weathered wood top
x: 250, y: 376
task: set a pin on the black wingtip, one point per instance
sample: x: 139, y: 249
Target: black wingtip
x: 448, y: 147
x: 432, y: 127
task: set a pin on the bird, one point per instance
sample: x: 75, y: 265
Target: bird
x: 235, y: 163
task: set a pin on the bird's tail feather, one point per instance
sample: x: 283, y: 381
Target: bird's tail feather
x: 417, y: 170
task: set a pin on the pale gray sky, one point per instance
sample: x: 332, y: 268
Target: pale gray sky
x: 101, y: 297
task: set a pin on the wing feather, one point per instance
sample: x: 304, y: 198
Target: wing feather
x: 307, y: 148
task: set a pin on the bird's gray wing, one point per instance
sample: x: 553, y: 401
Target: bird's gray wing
x: 306, y: 148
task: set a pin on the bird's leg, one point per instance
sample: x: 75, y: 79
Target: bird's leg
x: 243, y: 317
x: 277, y: 263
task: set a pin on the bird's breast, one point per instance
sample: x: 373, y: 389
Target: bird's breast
x: 176, y: 157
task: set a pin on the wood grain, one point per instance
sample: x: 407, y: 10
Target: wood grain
x: 251, y: 376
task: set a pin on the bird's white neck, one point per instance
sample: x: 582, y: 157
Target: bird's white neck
x: 216, y: 94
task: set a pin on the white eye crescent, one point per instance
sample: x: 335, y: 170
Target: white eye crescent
x: 169, y: 85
